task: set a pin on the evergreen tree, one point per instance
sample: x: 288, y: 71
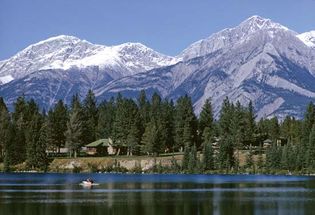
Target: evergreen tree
x: 74, y: 131
x: 193, y: 160
x: 308, y: 122
x: 260, y: 161
x: 41, y: 156
x: 106, y: 119
x: 238, y: 128
x: 188, y: 136
x: 186, y: 158
x: 185, y: 127
x: 226, y: 153
x: 90, y: 118
x: 206, y: 120
x: 10, y: 155
x: 4, y: 126
x: 32, y: 138
x: 20, y: 121
x: 226, y: 117
x: 274, y: 128
x: 250, y: 124
x: 273, y: 158
x: 150, y: 139
x: 144, y: 111
x: 56, y: 126
x: 311, y: 150
x: 126, y: 118
x: 155, y: 110
x: 133, y: 140
x: 120, y: 124
x: 208, y: 159
x: 166, y: 126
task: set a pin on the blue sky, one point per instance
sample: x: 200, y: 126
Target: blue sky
x: 167, y: 26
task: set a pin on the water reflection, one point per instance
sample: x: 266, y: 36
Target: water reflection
x: 155, y: 194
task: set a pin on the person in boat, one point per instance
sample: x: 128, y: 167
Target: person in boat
x: 90, y: 180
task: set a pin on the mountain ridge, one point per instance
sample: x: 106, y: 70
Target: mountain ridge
x: 259, y: 60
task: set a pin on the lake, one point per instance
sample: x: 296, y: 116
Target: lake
x: 60, y: 194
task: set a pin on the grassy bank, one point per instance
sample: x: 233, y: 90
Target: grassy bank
x: 113, y: 164
x: 165, y: 163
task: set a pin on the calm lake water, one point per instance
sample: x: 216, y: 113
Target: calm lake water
x: 60, y: 194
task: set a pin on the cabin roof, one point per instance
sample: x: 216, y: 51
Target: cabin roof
x: 267, y: 141
x: 100, y: 142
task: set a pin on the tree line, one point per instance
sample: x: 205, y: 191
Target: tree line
x: 151, y: 126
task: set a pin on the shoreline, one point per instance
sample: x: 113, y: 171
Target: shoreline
x: 141, y: 165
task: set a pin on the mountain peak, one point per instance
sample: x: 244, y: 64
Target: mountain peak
x: 254, y: 23
x: 231, y: 36
x: 58, y: 39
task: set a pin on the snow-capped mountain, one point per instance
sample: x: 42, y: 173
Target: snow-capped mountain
x: 231, y: 36
x: 258, y: 60
x: 61, y: 66
x: 68, y: 52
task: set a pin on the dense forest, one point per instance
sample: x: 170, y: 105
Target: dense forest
x: 152, y: 126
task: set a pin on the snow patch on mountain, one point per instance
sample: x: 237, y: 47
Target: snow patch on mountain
x: 308, y: 38
x: 6, y: 79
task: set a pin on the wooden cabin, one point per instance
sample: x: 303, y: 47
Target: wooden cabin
x: 101, y: 147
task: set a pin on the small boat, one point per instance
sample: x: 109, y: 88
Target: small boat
x: 88, y: 183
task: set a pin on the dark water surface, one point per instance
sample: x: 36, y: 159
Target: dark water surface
x: 60, y: 194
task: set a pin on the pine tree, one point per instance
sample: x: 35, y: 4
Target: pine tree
x: 126, y: 117
x: 32, y: 138
x: 186, y: 157
x: 238, y: 128
x: 185, y: 123
x: 120, y: 124
x: 225, y: 117
x: 260, y: 161
x: 133, y: 140
x: 311, y: 150
x: 41, y: 156
x: 250, y: 124
x: 308, y: 123
x: 166, y: 126
x: 144, y: 111
x: 273, y: 158
x: 193, y: 160
x: 56, y: 126
x: 155, y: 110
x: 90, y: 118
x: 188, y: 136
x: 74, y: 131
x: 10, y: 155
x: 205, y: 120
x: 20, y: 121
x: 106, y: 119
x: 226, y: 153
x: 4, y: 126
x: 208, y: 159
x: 274, y: 128
x: 150, y: 139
